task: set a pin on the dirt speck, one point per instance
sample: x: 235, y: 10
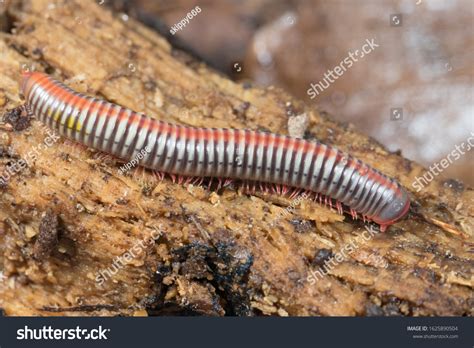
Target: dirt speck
x: 18, y: 118
x: 47, y: 238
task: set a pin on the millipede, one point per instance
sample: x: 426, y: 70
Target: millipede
x: 286, y: 164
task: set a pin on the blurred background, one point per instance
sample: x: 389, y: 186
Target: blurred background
x: 412, y: 93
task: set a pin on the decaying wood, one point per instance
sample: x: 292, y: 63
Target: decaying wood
x: 67, y: 215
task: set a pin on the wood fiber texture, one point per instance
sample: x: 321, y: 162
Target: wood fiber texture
x: 68, y: 214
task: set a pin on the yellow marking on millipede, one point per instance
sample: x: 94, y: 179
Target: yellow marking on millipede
x: 49, y: 112
x: 57, y: 115
x: 70, y: 123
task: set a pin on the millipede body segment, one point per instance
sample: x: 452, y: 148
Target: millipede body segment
x: 219, y: 153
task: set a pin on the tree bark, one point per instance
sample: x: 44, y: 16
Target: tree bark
x: 68, y: 217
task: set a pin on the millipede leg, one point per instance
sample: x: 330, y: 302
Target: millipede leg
x: 173, y: 178
x: 254, y: 187
x: 339, y: 208
x: 294, y: 193
x: 209, y: 185
x: 354, y: 214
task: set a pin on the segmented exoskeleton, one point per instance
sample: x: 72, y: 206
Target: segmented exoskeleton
x: 218, y: 153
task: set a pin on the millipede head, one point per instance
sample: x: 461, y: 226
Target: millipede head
x: 394, y: 210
